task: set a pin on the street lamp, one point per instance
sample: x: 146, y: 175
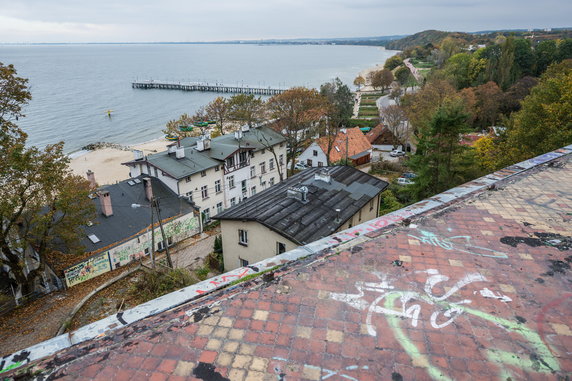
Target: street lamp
x: 155, y: 207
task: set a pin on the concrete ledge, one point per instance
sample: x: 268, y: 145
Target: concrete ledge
x: 102, y: 327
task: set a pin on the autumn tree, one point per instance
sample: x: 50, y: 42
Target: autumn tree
x: 381, y: 78
x: 43, y: 206
x: 218, y: 110
x: 183, y: 126
x: 395, y: 120
x: 393, y: 62
x: 246, y: 109
x: 297, y: 110
x: 359, y: 81
x: 484, y: 101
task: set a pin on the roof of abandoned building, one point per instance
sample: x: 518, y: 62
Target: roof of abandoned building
x: 348, y: 190
x: 473, y: 283
x: 352, y: 138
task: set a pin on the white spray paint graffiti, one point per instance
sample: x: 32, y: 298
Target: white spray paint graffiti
x: 452, y: 309
x: 490, y: 294
x: 327, y: 373
x: 460, y: 243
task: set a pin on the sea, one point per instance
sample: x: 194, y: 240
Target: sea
x: 74, y: 85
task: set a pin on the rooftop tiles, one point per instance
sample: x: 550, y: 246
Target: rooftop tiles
x: 480, y: 289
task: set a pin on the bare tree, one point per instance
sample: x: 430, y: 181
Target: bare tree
x: 218, y: 110
x: 395, y: 120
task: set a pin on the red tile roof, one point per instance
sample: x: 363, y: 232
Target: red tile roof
x: 353, y: 138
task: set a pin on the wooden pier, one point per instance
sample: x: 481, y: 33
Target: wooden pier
x: 216, y: 88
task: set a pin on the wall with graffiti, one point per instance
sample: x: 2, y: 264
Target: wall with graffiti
x: 178, y: 229
x: 90, y: 268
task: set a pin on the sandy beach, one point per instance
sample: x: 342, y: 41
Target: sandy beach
x: 106, y: 162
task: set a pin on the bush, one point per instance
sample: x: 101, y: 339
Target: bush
x: 157, y: 283
x: 363, y: 123
x: 382, y: 167
x: 388, y: 203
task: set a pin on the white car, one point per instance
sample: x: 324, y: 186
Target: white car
x: 397, y: 152
x: 404, y: 181
x: 301, y: 165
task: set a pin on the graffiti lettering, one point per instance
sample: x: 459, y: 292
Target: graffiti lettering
x: 460, y: 243
x: 327, y: 373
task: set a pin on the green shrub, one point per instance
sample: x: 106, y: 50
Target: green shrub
x: 202, y: 273
x: 157, y: 283
x: 382, y: 167
x: 363, y: 123
x: 388, y: 202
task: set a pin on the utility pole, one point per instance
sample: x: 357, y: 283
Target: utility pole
x: 347, y: 143
x: 156, y: 204
x: 152, y: 239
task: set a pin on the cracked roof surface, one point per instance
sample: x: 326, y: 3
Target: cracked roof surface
x: 478, y: 290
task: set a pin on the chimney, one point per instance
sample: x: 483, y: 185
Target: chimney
x: 204, y: 143
x: 238, y: 134
x: 148, y: 188
x: 171, y: 149
x: 137, y: 154
x: 300, y: 194
x: 180, y: 152
x: 338, y: 218
x: 91, y: 178
x: 105, y: 200
x: 323, y: 175
x: 245, y: 128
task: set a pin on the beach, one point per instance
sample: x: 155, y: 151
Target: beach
x: 106, y: 162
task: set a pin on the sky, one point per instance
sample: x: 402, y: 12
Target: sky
x: 52, y: 21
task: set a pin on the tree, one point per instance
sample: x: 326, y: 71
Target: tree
x: 545, y: 54
x: 297, y: 110
x: 42, y: 205
x: 457, y: 70
x: 440, y: 163
x: 246, y: 108
x: 488, y: 97
x: 182, y: 127
x: 339, y: 109
x: 402, y: 75
x: 394, y: 118
x: 510, y: 101
x: 545, y: 121
x: 359, y: 81
x: 218, y: 110
x: 523, y: 57
x: 565, y: 49
x: 506, y: 74
x: 393, y: 62
x: 381, y: 78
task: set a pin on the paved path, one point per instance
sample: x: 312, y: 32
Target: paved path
x: 192, y: 255
x: 413, y: 70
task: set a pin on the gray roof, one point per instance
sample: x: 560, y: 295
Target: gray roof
x: 221, y: 147
x: 349, y: 190
x: 127, y: 221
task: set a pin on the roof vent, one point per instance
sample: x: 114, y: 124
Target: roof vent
x: 323, y: 175
x: 300, y: 194
x: 180, y: 152
x: 338, y: 218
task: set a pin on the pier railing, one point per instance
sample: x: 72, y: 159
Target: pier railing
x: 217, y: 88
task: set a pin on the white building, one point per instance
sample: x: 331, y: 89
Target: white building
x: 221, y: 172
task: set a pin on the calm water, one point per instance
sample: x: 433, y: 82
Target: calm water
x: 73, y: 85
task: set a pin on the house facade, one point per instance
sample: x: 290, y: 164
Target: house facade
x: 349, y: 143
x: 216, y: 174
x: 306, y: 207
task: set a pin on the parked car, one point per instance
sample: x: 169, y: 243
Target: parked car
x: 397, y: 152
x: 404, y: 181
x: 301, y: 165
x: 409, y: 175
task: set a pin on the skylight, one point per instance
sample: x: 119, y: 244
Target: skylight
x: 93, y: 238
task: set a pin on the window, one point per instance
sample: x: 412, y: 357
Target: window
x: 371, y: 205
x: 271, y: 164
x: 219, y: 207
x: 188, y: 179
x: 204, y: 192
x: 315, y: 153
x: 320, y: 164
x: 230, y: 162
x: 216, y: 168
x: 243, y: 262
x: 281, y: 159
x: 231, y: 182
x: 160, y: 246
x: 203, y: 173
x: 217, y: 186
x: 252, y: 171
x: 263, y: 151
x: 251, y: 153
x: 207, y: 214
x: 309, y: 162
x: 263, y: 167
x: 263, y: 183
x: 253, y: 191
x: 271, y: 181
x: 155, y: 169
x: 189, y: 195
x: 242, y: 158
x: 243, y: 187
x: 233, y: 201
x: 147, y: 251
x: 243, y: 237
x: 280, y: 248
x: 170, y: 241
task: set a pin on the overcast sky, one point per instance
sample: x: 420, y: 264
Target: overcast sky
x: 216, y: 20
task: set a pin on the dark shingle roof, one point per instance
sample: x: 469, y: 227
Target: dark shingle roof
x: 127, y: 221
x: 349, y: 190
